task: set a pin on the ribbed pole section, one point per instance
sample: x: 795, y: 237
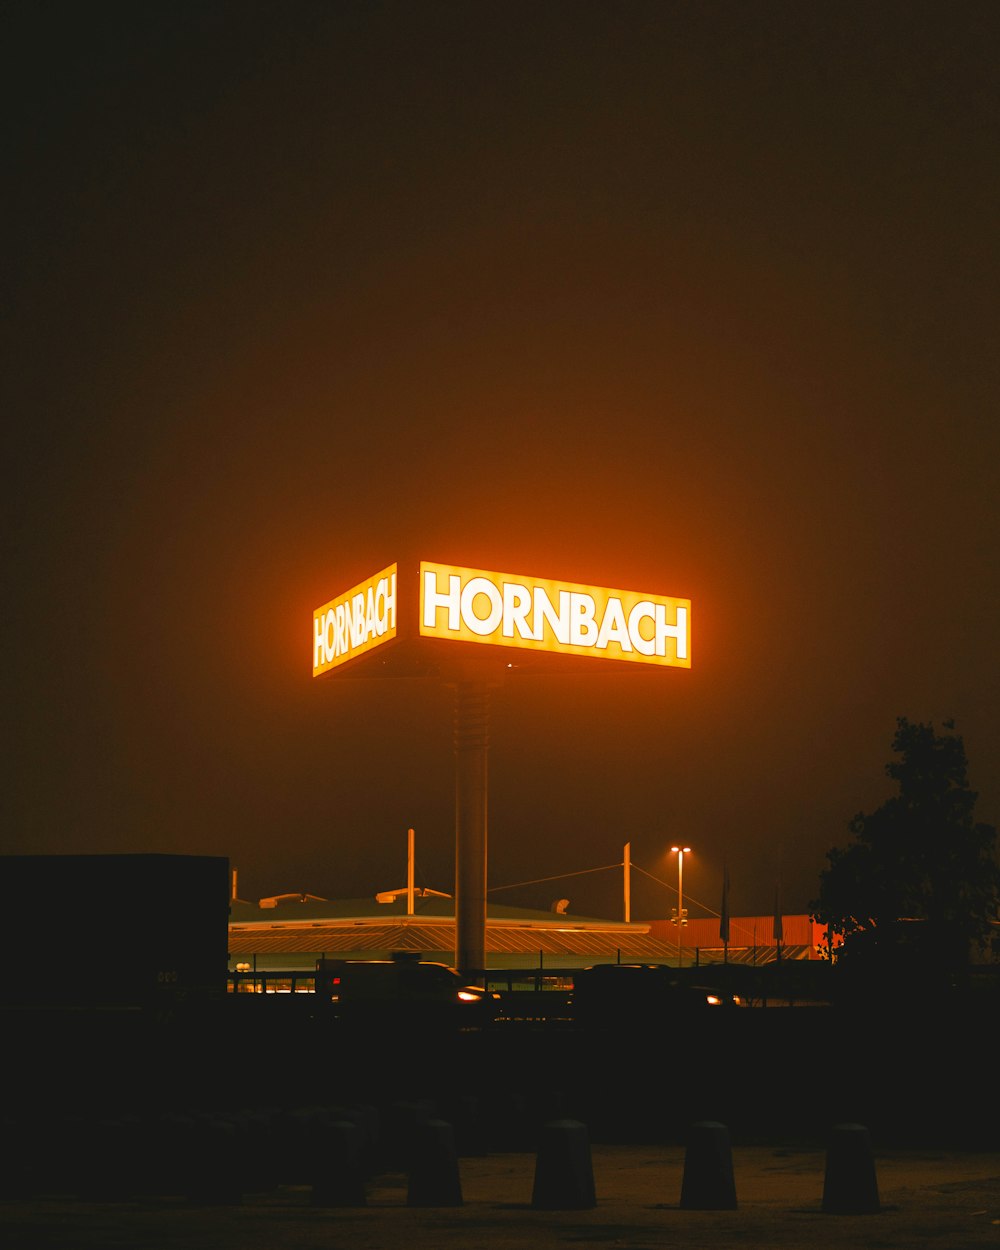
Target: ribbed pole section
x: 472, y: 714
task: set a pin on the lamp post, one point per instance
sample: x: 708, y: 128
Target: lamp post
x: 680, y: 852
x: 627, y: 865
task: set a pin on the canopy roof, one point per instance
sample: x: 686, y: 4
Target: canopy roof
x: 302, y: 924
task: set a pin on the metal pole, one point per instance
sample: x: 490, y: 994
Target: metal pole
x: 409, y: 872
x: 680, y: 908
x: 471, y: 744
x: 628, y: 883
x: 680, y: 852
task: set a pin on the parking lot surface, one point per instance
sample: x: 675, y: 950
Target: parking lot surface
x: 926, y: 1198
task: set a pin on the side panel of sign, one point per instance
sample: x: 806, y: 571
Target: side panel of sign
x: 509, y: 610
x: 356, y: 621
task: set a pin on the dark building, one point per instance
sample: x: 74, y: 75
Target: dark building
x: 114, y: 930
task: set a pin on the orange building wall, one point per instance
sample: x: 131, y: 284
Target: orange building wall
x: 744, y: 931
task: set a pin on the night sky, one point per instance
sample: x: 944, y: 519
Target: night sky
x: 699, y: 298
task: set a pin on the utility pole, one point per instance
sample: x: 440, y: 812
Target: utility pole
x: 409, y: 872
x: 680, y: 852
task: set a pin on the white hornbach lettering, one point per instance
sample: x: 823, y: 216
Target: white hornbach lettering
x: 509, y: 610
x: 355, y: 622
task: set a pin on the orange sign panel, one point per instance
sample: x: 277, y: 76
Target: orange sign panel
x: 355, y: 622
x: 510, y: 610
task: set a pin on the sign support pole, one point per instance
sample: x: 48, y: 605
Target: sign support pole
x: 472, y: 703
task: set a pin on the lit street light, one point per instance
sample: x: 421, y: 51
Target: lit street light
x: 681, y: 914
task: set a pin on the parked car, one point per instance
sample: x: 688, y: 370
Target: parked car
x: 606, y: 995
x: 402, y: 992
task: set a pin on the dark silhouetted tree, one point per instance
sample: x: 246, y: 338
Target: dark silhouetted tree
x: 918, y: 888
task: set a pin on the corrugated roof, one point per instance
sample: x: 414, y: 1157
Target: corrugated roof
x: 299, y: 909
x: 441, y: 936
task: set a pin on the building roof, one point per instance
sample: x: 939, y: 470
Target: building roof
x: 300, y: 909
x: 300, y: 925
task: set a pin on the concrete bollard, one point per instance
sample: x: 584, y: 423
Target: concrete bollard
x: 337, y: 1168
x: 169, y: 1139
x: 367, y: 1121
x: 708, y: 1183
x: 400, y: 1122
x: 367, y: 1118
x: 295, y: 1131
x: 564, y: 1174
x: 433, y: 1179
x: 20, y: 1159
x: 260, y: 1165
x: 850, y: 1186
x: 99, y: 1154
x: 214, y: 1178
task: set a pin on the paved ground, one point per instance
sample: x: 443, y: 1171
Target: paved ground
x: 947, y: 1200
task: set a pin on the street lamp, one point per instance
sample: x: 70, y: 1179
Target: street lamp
x: 681, y: 917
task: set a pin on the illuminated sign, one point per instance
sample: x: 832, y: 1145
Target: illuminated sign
x: 355, y: 622
x: 509, y: 610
